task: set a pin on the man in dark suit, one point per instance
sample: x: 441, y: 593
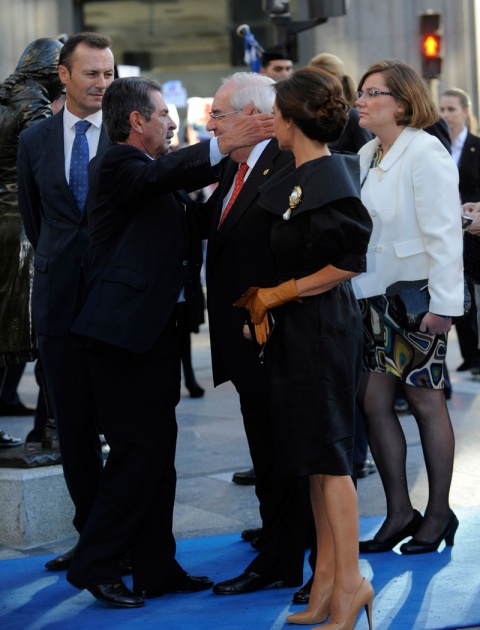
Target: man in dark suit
x: 139, y: 275
x: 467, y: 327
x: 239, y: 256
x: 455, y: 107
x: 57, y: 228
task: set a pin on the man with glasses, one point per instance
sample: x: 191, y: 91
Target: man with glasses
x: 238, y: 256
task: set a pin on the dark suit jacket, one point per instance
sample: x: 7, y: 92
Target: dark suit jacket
x: 469, y: 186
x: 353, y: 136
x: 139, y: 256
x: 469, y: 169
x: 53, y: 224
x: 238, y: 256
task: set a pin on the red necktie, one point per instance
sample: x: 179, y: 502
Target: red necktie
x: 239, y: 178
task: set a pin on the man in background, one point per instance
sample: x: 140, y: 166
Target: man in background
x: 276, y: 63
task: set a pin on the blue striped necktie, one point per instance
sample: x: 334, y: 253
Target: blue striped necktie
x: 78, y: 165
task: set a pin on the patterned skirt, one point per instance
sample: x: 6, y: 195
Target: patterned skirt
x: 415, y: 357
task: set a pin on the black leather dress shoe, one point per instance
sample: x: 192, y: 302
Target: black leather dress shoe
x: 7, y: 440
x: 188, y: 584
x: 63, y: 562
x: 248, y: 582
x: 15, y: 410
x: 116, y: 594
x: 302, y: 596
x: 191, y: 584
x: 378, y: 546
x: 365, y: 469
x: 245, y: 478
x: 195, y: 390
x: 249, y: 535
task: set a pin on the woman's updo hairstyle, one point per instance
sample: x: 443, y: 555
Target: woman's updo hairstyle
x: 313, y: 100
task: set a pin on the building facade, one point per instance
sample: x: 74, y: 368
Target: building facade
x: 195, y: 41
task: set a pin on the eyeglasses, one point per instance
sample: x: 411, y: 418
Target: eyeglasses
x: 218, y: 116
x: 369, y: 94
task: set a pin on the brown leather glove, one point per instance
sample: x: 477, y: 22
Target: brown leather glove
x: 259, y: 301
x: 262, y: 330
x: 273, y: 297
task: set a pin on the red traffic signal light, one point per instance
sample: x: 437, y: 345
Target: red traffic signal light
x: 430, y: 45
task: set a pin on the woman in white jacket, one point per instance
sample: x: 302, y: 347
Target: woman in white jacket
x: 410, y: 187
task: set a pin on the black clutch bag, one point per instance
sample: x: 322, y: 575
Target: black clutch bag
x: 409, y: 302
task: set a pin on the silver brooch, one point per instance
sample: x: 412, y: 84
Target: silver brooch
x: 293, y: 201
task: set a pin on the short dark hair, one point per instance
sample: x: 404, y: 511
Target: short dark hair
x: 409, y: 90
x: 313, y: 100
x: 272, y: 53
x: 93, y: 40
x: 121, y: 98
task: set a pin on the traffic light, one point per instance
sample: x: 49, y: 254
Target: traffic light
x: 431, y: 44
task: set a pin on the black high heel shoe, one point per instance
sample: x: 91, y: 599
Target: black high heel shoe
x: 448, y: 533
x: 194, y: 389
x: 378, y: 546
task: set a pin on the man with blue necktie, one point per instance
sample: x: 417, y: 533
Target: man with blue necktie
x: 52, y: 183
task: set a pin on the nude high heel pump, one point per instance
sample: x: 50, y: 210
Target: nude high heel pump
x: 318, y: 614
x: 363, y: 598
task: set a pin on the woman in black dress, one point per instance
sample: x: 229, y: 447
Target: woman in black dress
x: 319, y: 236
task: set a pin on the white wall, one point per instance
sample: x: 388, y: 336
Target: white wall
x: 371, y: 30
x: 379, y: 29
x: 22, y: 21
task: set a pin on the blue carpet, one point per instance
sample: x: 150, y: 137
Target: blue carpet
x: 435, y: 591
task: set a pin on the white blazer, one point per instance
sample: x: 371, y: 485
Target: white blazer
x: 413, y: 200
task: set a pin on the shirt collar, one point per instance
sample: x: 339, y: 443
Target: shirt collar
x: 256, y: 153
x: 71, y: 120
x: 460, y: 139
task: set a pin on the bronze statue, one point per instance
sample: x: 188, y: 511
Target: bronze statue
x: 25, y: 98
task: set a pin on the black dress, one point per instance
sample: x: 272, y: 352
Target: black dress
x: 315, y: 352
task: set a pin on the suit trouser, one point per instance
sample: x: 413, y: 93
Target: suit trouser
x: 10, y: 377
x: 284, y: 501
x: 136, y: 397
x: 467, y: 332
x: 71, y: 397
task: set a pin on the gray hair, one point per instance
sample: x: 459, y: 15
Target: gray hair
x: 122, y: 97
x: 250, y: 86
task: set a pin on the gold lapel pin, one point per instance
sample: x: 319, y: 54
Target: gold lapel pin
x: 266, y: 171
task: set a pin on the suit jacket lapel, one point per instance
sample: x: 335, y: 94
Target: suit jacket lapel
x: 249, y: 192
x: 55, y: 150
